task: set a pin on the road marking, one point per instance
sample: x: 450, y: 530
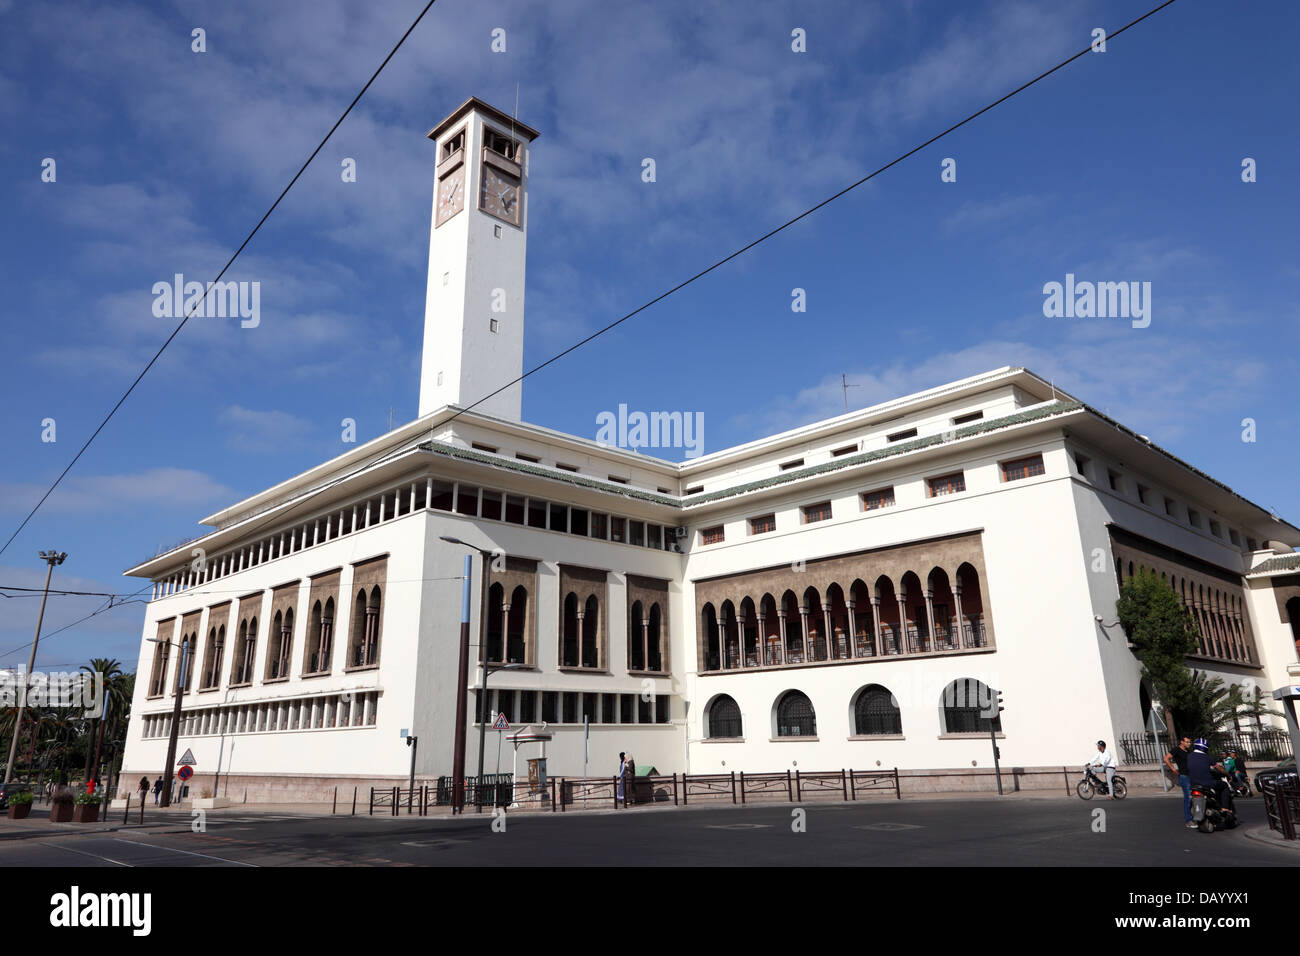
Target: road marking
x: 889, y: 826
x: 738, y: 826
x: 187, y: 853
x: 435, y: 843
x: 84, y: 853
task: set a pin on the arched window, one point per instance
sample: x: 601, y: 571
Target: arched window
x: 245, y: 648
x: 876, y: 713
x: 516, y: 626
x: 794, y: 716
x: 370, y: 639
x: 969, y: 707
x: 723, y: 719
x: 570, y: 638
x: 318, y: 638
x: 210, y: 663
x: 654, y: 647
x: 191, y: 643
x: 636, y: 637
x: 590, y: 633
x: 495, y: 623
x: 281, y: 645
x: 356, y: 645
x: 712, y: 646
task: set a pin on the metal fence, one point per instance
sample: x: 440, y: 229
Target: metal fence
x: 1282, y: 806
x: 734, y: 787
x: 1263, y: 745
x: 495, y: 790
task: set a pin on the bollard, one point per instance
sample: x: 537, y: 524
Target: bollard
x: 335, y: 809
x: 354, y: 801
x: 127, y: 815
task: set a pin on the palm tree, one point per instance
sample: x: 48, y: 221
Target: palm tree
x: 110, y: 670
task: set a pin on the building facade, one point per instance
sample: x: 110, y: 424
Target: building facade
x: 852, y: 593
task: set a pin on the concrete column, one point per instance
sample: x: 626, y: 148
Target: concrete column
x: 785, y: 649
x: 903, y: 647
x: 762, y: 639
x: 961, y: 621
x: 929, y: 615
x: 875, y: 625
x: 853, y: 628
x: 831, y: 650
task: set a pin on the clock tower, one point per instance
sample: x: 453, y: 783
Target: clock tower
x: 474, y: 301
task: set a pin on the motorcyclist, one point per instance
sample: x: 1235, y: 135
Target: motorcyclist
x: 1207, y: 775
x: 1105, y: 760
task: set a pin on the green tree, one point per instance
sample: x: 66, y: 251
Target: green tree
x: 1163, y: 634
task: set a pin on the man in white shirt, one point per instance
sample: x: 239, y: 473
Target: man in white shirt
x: 1105, y: 760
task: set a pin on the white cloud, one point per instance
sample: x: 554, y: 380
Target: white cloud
x: 155, y: 488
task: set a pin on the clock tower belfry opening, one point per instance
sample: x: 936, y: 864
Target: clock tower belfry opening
x: 474, y: 300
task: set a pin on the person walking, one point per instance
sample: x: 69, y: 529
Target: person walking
x: 629, y: 782
x: 1176, y: 762
x: 1105, y: 760
x: 157, y: 790
x: 144, y: 789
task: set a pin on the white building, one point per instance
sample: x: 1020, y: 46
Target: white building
x: 966, y: 537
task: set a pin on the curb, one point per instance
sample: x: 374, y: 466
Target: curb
x: 1270, y: 838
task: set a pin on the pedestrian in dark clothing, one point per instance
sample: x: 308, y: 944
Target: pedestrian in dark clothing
x: 1176, y: 760
x: 157, y: 790
x: 144, y: 788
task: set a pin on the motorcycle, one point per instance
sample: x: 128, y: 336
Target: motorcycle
x: 1206, y: 812
x: 1091, y: 784
x: 1241, y: 787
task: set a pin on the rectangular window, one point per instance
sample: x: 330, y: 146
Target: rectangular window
x: 636, y: 533
x: 559, y: 517
x: 481, y: 447
x: 598, y: 525
x: 531, y: 459
x: 1193, y: 518
x: 946, y: 484
x: 712, y: 535
x: 1234, y: 537
x: 1113, y: 479
x: 578, y: 521
x: 762, y: 524
x: 1169, y: 506
x: 493, y: 325
x: 846, y: 450
x: 506, y: 704
x: 642, y: 709
x: 787, y: 465
x: 968, y: 418
x: 694, y: 490
x: 1250, y: 545
x: 899, y: 436
x: 466, y: 500
x: 609, y: 710
x: 654, y: 536
x: 883, y: 498
x: 570, y: 715
x: 1214, y: 529
x: 590, y: 708
x: 1019, y: 468
x: 1081, y: 465
x: 514, y: 509
x: 527, y: 706
x: 536, y: 513
x: 663, y: 712
x: 1143, y: 491
x: 492, y: 505
x: 617, y: 529
x: 617, y: 480
x: 564, y: 467
x: 625, y: 708
x: 549, y: 714
x: 818, y: 512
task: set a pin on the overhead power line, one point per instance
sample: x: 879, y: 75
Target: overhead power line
x: 224, y: 269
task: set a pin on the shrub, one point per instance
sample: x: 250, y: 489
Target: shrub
x: 84, y: 799
x: 23, y: 797
x: 61, y: 795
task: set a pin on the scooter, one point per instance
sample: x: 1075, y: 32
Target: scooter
x: 1206, y: 812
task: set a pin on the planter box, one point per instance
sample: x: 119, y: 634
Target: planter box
x: 85, y: 813
x: 60, y: 812
x: 19, y: 811
x: 209, y: 803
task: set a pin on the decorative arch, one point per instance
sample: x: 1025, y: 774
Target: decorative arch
x: 793, y: 715
x: 968, y: 706
x: 876, y: 713
x: 722, y: 720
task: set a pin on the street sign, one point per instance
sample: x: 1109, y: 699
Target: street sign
x: 501, y: 723
x: 187, y: 759
x: 185, y: 773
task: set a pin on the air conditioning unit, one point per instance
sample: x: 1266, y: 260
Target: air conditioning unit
x: 679, y: 532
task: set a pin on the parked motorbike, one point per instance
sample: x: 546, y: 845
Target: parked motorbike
x: 1206, y: 812
x: 1091, y: 783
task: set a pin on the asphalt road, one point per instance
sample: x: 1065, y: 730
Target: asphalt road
x: 1021, y: 831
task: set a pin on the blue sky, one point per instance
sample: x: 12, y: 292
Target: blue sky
x: 1125, y: 166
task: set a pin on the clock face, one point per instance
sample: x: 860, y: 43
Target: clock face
x: 500, y: 195
x: 451, y: 194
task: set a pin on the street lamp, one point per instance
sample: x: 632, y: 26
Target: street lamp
x: 458, y: 758
x: 176, y: 715
x: 51, y: 558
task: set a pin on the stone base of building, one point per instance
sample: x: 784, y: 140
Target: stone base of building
x: 238, y: 789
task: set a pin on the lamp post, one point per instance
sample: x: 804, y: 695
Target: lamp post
x: 176, y: 715
x: 464, y: 673
x: 51, y: 558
